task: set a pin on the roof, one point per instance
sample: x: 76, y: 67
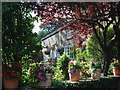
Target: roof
x: 56, y: 30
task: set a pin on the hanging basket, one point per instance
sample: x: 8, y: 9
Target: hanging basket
x: 47, y: 52
x: 10, y: 83
x: 75, y: 76
x: 116, y: 71
x: 60, y: 50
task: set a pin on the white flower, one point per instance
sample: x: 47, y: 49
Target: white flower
x: 10, y: 65
x: 74, y: 62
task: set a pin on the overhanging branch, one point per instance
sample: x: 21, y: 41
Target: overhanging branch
x: 97, y: 37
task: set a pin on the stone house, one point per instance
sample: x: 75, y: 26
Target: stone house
x: 57, y: 42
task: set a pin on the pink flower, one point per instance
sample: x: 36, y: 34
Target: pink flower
x: 40, y: 77
x: 41, y: 68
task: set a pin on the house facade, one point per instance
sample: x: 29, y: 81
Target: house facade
x: 57, y: 42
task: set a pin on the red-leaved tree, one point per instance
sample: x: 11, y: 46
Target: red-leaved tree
x: 85, y: 18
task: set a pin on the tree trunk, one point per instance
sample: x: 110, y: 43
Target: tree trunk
x: 107, y: 60
x: 118, y: 45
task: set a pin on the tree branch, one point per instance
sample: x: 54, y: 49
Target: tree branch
x: 112, y: 41
x: 100, y: 25
x: 97, y: 37
x: 105, y: 31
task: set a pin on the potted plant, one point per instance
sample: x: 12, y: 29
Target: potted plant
x: 39, y: 72
x: 84, y: 70
x: 74, y: 68
x: 32, y: 74
x: 48, y: 70
x: 116, y: 68
x: 62, y: 63
x: 11, y: 74
x: 96, y: 70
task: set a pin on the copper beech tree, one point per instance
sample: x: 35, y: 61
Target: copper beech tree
x: 84, y: 19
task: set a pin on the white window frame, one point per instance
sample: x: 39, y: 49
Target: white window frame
x: 67, y: 49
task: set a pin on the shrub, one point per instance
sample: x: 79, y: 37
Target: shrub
x: 26, y: 79
x: 57, y: 74
x: 73, y: 65
x: 32, y: 74
x: 62, y: 64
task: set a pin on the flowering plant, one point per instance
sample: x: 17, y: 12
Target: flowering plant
x: 73, y: 65
x: 95, y: 70
x: 38, y: 72
x: 48, y: 67
x: 94, y: 66
x: 12, y: 71
x: 116, y: 63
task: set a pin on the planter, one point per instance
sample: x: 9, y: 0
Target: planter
x: 10, y: 83
x: 116, y: 71
x: 75, y: 76
x: 48, y: 82
x: 96, y: 75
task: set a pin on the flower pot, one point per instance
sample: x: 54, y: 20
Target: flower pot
x: 74, y: 76
x: 10, y: 83
x: 49, y: 79
x: 96, y: 75
x: 48, y: 82
x: 116, y: 71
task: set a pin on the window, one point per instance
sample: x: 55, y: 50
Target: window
x: 69, y: 32
x: 67, y: 49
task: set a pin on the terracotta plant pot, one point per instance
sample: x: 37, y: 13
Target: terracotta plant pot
x: 116, y: 71
x: 48, y: 82
x: 75, y: 76
x: 10, y: 83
